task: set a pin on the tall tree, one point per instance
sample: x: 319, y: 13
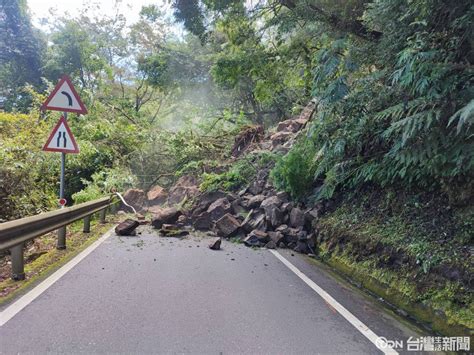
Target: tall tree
x: 21, y: 51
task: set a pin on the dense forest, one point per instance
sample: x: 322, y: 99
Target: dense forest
x: 392, y: 136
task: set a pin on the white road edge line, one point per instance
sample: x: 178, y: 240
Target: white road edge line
x: 361, y: 327
x: 12, y: 310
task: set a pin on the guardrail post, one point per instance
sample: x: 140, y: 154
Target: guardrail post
x: 18, y: 269
x: 102, y: 215
x: 61, y: 238
x: 87, y: 224
x: 113, y: 208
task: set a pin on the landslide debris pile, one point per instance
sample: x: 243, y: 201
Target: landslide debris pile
x: 258, y: 215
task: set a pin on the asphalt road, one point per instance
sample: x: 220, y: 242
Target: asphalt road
x: 150, y: 294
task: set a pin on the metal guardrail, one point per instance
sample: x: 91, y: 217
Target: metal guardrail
x: 14, y: 234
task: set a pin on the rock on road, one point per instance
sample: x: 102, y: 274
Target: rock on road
x: 150, y: 294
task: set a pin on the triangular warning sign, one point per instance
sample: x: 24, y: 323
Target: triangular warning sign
x: 64, y: 98
x: 61, y: 139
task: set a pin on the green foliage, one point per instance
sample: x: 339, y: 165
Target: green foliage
x: 74, y: 52
x: 294, y: 172
x: 21, y: 54
x: 242, y: 172
x: 28, y: 183
x: 104, y: 182
x: 397, y: 111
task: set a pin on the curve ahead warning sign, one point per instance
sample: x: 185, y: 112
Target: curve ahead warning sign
x: 64, y: 98
x: 61, y: 139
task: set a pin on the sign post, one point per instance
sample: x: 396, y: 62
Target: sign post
x: 62, y: 231
x: 63, y: 98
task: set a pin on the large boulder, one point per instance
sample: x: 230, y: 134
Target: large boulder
x: 270, y: 201
x: 165, y: 216
x: 256, y: 187
x: 274, y: 216
x: 277, y: 237
x: 291, y: 236
x: 255, y: 201
x: 155, y: 209
x: 302, y: 243
x: 156, y: 196
x: 204, y: 200
x: 204, y: 219
x: 283, y: 196
x: 186, y: 187
x: 202, y: 222
x: 254, y: 221
x: 280, y: 137
x: 135, y: 198
x: 227, y: 226
x: 238, y: 210
x: 291, y: 125
x: 307, y: 112
x: 219, y: 208
x: 297, y: 218
x: 310, y: 215
x: 127, y: 227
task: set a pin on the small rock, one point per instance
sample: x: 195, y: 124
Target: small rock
x: 261, y: 236
x: 216, y: 244
x: 251, y: 241
x: 283, y: 229
x: 286, y: 206
x: 277, y: 237
x: 182, y: 220
x: 402, y: 312
x: 302, y: 247
x: 302, y: 236
x: 172, y: 230
x: 270, y: 245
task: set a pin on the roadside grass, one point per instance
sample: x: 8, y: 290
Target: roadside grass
x: 414, y: 251
x: 42, y: 258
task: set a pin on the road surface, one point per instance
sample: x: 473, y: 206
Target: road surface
x: 150, y: 294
